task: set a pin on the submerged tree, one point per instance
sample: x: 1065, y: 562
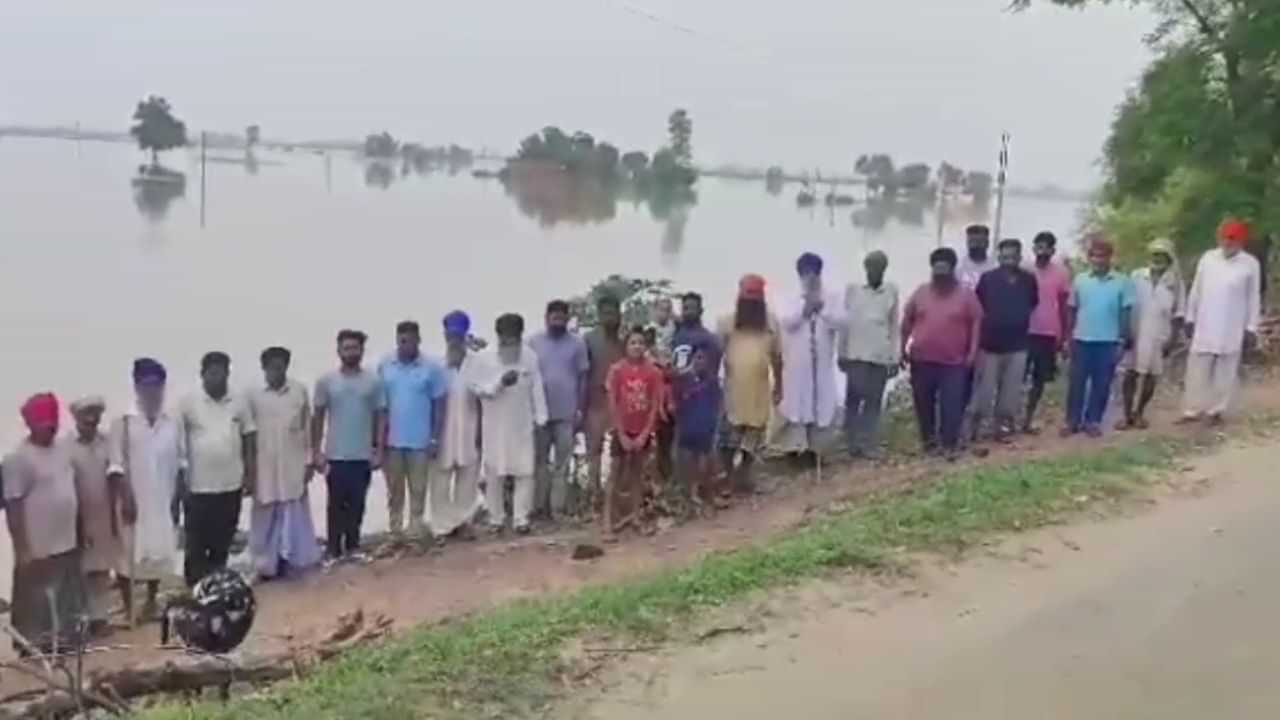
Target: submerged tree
x: 680, y: 132
x: 381, y: 145
x: 156, y: 129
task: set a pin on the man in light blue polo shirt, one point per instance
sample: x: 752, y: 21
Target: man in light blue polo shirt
x: 1101, y: 301
x: 415, y: 387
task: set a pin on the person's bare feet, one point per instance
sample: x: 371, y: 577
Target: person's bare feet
x: 1188, y: 420
x: 1093, y: 431
x: 1141, y: 423
x: 1126, y: 424
x: 1068, y: 431
x: 1216, y: 420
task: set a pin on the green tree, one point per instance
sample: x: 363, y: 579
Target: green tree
x: 156, y: 129
x: 680, y: 132
x: 1200, y: 137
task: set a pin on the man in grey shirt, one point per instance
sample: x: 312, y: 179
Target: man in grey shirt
x: 562, y: 360
x: 868, y: 351
x: 353, y: 402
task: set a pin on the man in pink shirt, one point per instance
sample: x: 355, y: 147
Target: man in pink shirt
x: 940, y: 328
x: 1046, y: 334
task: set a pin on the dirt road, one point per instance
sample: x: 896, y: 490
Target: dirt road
x: 1169, y: 613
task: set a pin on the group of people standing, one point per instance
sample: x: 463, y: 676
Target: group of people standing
x: 690, y: 404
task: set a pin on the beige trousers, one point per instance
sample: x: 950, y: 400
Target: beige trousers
x: 406, y: 471
x: 521, y: 499
x: 453, y: 497
x: 1211, y: 385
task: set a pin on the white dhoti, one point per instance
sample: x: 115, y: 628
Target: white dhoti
x: 521, y: 499
x: 453, y: 497
x: 1212, y: 382
x: 1146, y: 357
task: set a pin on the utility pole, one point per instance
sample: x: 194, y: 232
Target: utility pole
x: 1001, y: 178
x: 203, y: 163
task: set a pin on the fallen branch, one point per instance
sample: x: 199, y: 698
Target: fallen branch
x: 194, y: 672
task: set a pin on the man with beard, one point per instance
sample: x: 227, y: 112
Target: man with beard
x: 456, y: 487
x: 1009, y: 296
x: 562, y: 359
x: 977, y: 260
x: 941, y: 325
x: 1047, y: 333
x: 352, y: 402
x: 810, y: 328
x: 513, y: 405
x: 1223, y: 311
x: 752, y: 356
x: 868, y: 353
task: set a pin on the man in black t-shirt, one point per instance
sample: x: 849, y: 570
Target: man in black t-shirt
x: 1008, y: 295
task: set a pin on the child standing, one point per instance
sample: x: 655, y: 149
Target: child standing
x: 634, y: 385
x: 698, y: 404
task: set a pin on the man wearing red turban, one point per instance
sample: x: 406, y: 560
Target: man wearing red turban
x: 40, y: 490
x: 1223, y: 311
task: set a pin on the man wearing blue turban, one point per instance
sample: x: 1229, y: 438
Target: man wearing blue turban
x: 455, y: 485
x: 811, y: 327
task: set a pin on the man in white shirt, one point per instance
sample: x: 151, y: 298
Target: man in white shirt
x: 977, y: 260
x: 221, y: 442
x: 148, y: 452
x: 868, y: 354
x: 811, y: 324
x: 1223, y: 311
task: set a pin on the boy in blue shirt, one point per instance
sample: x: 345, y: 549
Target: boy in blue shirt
x: 698, y: 406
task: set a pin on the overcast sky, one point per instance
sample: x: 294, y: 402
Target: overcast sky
x: 804, y: 82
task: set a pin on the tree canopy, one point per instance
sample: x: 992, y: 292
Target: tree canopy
x: 155, y: 127
x: 1199, y: 137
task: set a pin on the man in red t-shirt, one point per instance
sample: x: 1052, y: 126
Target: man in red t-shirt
x: 635, y: 387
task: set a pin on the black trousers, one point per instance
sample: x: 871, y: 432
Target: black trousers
x: 348, y: 483
x: 211, y: 520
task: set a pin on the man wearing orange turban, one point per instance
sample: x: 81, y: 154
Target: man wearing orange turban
x: 40, y: 490
x: 1223, y: 311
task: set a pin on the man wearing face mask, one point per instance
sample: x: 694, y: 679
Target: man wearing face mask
x: 868, y: 353
x: 1223, y: 312
x: 977, y: 260
x: 941, y: 326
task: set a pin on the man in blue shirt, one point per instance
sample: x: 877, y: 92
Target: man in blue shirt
x: 415, y: 387
x: 1101, y: 301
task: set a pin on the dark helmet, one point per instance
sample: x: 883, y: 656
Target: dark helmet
x: 218, y: 615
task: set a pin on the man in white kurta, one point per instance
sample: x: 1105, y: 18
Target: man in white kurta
x: 149, y: 455
x: 512, y: 404
x: 282, y: 536
x: 454, y: 488
x: 1158, y: 310
x: 811, y: 328
x: 1223, y: 311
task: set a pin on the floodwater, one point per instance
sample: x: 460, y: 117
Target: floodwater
x: 295, y: 246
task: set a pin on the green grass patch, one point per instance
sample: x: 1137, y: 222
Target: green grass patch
x: 502, y: 662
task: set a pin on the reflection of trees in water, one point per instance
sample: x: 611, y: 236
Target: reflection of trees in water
x: 550, y: 195
x: 913, y: 210
x: 379, y: 175
x: 154, y: 198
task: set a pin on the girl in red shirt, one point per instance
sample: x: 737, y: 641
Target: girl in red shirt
x: 635, y: 387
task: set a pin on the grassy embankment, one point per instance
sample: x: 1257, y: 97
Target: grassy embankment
x: 506, y: 661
